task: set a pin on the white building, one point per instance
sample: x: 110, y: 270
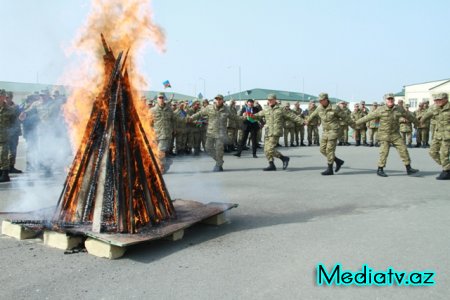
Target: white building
x: 416, y: 93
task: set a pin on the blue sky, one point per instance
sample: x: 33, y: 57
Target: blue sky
x: 351, y: 49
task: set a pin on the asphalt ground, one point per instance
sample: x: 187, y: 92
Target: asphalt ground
x: 286, y: 224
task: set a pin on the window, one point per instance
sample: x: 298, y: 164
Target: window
x: 413, y: 102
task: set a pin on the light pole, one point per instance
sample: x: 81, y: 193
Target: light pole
x: 204, y: 86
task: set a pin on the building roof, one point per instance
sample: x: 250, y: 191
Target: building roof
x: 438, y: 82
x: 400, y: 94
x: 23, y: 87
x: 260, y: 94
x: 445, y: 82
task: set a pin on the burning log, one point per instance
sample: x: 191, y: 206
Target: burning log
x: 114, y: 183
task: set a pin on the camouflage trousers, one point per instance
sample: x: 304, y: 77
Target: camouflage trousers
x: 299, y: 130
x: 439, y: 152
x: 194, y: 140
x: 343, y: 137
x: 373, y: 135
x: 432, y: 129
x: 360, y: 135
x: 313, y: 134
x: 214, y: 147
x: 232, y: 136
x: 422, y: 135
x: 407, y: 137
x: 164, y: 146
x: 289, y: 132
x: 181, y: 141
x: 399, y: 144
x: 4, y: 162
x: 13, y: 143
x: 328, y: 147
x: 270, y: 150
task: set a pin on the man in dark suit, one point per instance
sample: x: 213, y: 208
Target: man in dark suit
x: 251, y: 125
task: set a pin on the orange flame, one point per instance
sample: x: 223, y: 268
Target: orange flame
x: 125, y: 25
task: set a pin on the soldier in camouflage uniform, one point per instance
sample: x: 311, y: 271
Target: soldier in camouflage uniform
x: 299, y: 129
x: 440, y: 145
x: 330, y: 117
x: 289, y: 129
x: 6, y: 121
x: 343, y: 139
x: 163, y: 121
x: 421, y: 128
x: 389, y: 132
x: 47, y: 111
x: 426, y: 131
x: 373, y: 128
x: 180, y: 129
x: 406, y: 126
x: 275, y: 117
x: 232, y: 129
x: 13, y: 134
x: 356, y: 115
x: 194, y: 128
x: 216, y: 136
x: 364, y: 112
x: 313, y: 125
x: 204, y: 127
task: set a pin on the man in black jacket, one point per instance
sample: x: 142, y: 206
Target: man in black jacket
x: 251, y: 125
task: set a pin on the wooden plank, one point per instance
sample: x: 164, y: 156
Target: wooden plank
x: 188, y: 213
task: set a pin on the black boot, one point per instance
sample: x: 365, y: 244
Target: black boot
x: 339, y: 163
x: 380, y: 172
x: 309, y: 143
x: 410, y: 170
x: 238, y: 154
x: 5, y: 176
x: 13, y: 170
x: 254, y: 155
x: 371, y: 144
x: 271, y: 167
x: 358, y: 143
x: 329, y: 170
x: 285, y: 161
x: 418, y: 145
x: 445, y: 175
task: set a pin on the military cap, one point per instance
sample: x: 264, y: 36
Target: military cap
x: 271, y: 97
x: 375, y: 104
x: 389, y: 95
x: 251, y: 100
x: 356, y: 104
x: 218, y: 96
x: 161, y: 95
x: 440, y: 96
x: 363, y: 102
x: 2, y: 93
x: 341, y: 102
x: 323, y: 96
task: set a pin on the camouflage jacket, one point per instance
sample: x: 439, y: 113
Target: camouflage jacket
x: 6, y: 122
x: 275, y: 118
x: 298, y: 112
x: 163, y: 121
x: 405, y: 124
x: 442, y: 119
x: 356, y: 115
x: 418, y: 114
x: 232, y: 123
x: 313, y: 121
x: 331, y: 117
x: 375, y: 123
x: 217, y: 119
x: 389, y: 121
x: 347, y: 113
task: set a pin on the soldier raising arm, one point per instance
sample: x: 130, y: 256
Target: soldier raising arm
x: 275, y: 117
x: 389, y: 132
x: 331, y: 117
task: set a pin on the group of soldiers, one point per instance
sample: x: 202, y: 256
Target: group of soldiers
x: 386, y: 125
x: 39, y: 119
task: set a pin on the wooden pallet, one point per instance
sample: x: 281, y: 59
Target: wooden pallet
x: 113, y: 245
